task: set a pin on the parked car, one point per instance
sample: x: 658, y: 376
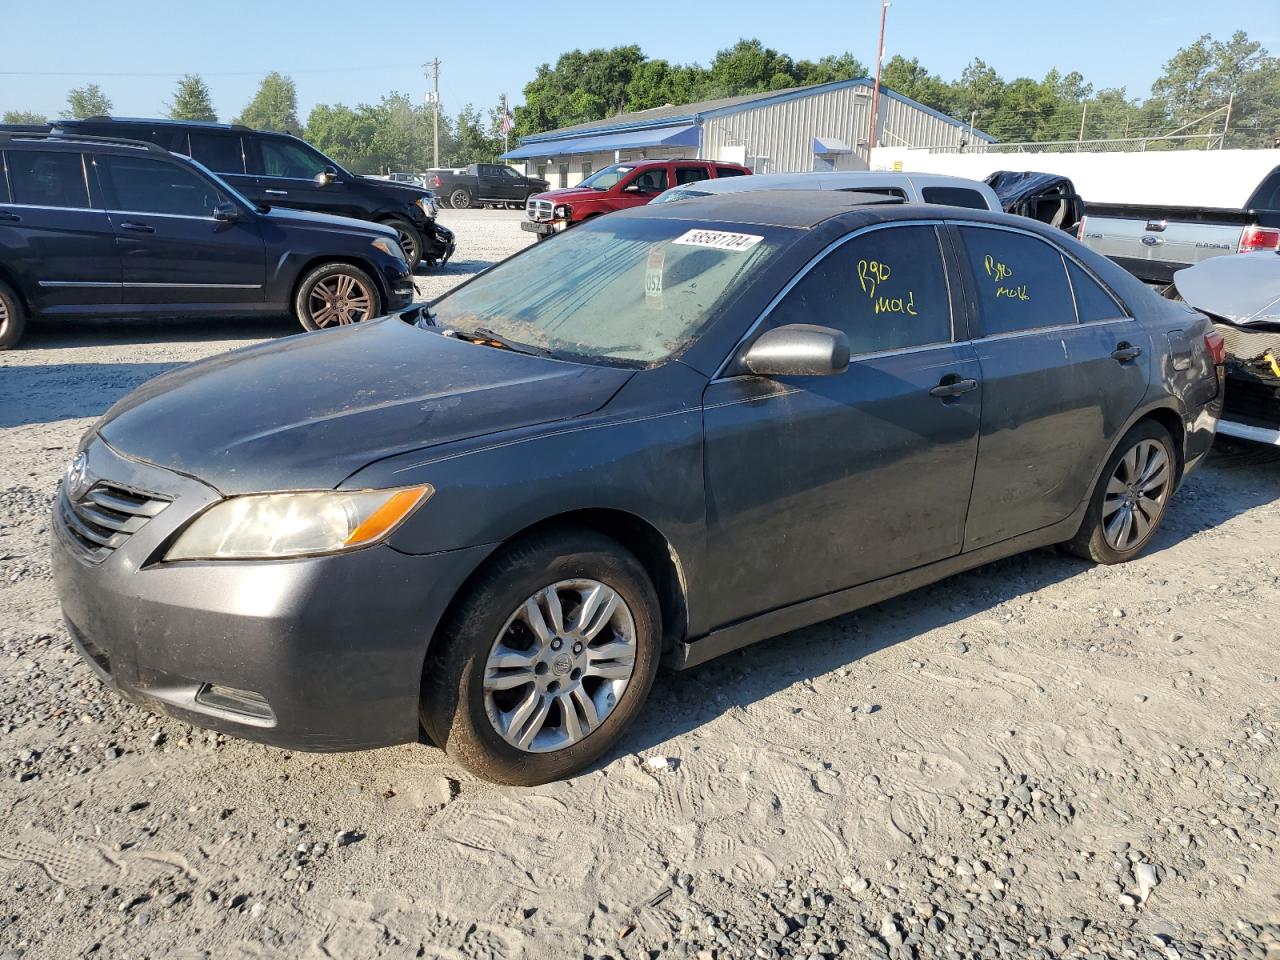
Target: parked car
x: 1242, y: 297
x: 675, y: 430
x: 483, y: 183
x: 280, y: 170
x: 93, y: 227
x: 1154, y: 242
x: 617, y: 187
x: 1048, y: 197
x: 909, y: 187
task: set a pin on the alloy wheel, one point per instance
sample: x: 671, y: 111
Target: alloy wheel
x: 1136, y: 495
x: 4, y: 317
x: 460, y: 199
x: 340, y: 299
x: 559, y: 665
x: 409, y: 244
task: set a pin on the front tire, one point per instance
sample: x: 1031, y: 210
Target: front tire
x: 13, y: 317
x: 336, y: 294
x: 1131, y: 497
x: 546, y: 661
x: 460, y: 199
x: 410, y: 239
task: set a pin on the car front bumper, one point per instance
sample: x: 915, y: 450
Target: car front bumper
x: 438, y: 242
x: 330, y: 649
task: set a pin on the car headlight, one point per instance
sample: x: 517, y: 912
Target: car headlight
x: 274, y: 525
x: 427, y: 205
x: 390, y: 248
x: 563, y: 211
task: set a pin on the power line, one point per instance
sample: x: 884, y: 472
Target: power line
x: 202, y: 73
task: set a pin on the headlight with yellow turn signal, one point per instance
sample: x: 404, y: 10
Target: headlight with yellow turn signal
x: 390, y: 247
x: 276, y: 525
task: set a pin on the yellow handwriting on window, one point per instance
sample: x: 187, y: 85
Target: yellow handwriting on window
x: 873, y: 273
x: 1000, y: 272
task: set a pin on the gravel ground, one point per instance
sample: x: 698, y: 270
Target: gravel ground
x: 1038, y: 759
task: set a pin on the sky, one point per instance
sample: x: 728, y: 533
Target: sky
x: 340, y: 52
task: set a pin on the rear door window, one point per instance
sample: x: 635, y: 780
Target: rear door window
x: 955, y: 197
x: 1093, y: 303
x: 221, y: 154
x: 1021, y: 281
x: 885, y: 289
x: 43, y: 178
x: 691, y: 175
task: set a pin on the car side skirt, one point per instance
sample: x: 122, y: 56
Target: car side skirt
x: 691, y: 653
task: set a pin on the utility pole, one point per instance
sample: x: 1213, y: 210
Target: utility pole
x: 875, y: 94
x: 435, y: 101
x: 1227, y: 122
x: 506, y: 126
x: 1083, y: 113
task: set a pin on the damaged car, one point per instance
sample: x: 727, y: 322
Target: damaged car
x: 675, y: 431
x: 1242, y: 296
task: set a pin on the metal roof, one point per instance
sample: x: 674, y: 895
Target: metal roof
x: 684, y: 135
x: 671, y: 115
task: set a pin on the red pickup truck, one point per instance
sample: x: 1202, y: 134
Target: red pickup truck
x: 617, y: 187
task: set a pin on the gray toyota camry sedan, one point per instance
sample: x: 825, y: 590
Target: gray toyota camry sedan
x: 670, y: 432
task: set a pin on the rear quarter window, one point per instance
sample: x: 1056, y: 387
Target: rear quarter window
x: 4, y: 181
x: 1093, y: 303
x: 729, y: 172
x: 47, y: 178
x: 955, y: 197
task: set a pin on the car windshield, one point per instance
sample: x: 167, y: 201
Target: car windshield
x: 628, y: 291
x: 680, y: 193
x: 608, y: 177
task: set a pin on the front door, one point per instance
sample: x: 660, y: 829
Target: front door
x: 1060, y: 381
x: 845, y: 479
x: 57, y: 234
x: 285, y: 174
x: 172, y: 250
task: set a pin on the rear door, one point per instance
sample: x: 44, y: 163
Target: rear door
x: 1056, y: 391
x: 845, y: 479
x: 172, y: 250
x: 55, y: 235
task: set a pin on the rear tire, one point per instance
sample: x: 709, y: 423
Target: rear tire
x: 1131, y: 497
x: 499, y: 675
x: 460, y: 199
x: 13, y: 317
x: 336, y: 294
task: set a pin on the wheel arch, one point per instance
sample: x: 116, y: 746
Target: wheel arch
x: 10, y: 280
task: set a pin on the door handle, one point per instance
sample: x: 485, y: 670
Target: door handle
x: 1125, y: 352
x: 277, y: 193
x: 134, y: 227
x: 9, y: 217
x: 952, y: 386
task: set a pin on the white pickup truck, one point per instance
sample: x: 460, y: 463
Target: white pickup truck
x: 1154, y: 242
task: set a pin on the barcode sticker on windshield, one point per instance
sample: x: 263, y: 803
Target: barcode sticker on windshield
x: 718, y: 240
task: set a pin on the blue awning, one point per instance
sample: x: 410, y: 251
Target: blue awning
x: 683, y: 136
x: 826, y: 146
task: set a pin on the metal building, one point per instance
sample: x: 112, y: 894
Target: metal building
x: 819, y: 127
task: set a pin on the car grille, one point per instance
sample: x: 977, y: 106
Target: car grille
x: 540, y: 210
x: 105, y: 517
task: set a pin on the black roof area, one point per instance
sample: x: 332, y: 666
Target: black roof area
x: 99, y: 122
x: 75, y: 141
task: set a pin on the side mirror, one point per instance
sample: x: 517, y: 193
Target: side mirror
x: 631, y: 188
x: 326, y: 177
x: 226, y: 212
x: 797, y: 350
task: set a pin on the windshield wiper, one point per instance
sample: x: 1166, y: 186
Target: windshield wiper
x: 425, y: 317
x: 485, y: 335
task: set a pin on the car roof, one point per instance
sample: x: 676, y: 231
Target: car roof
x: 807, y: 209
x: 838, y: 180
x: 10, y: 140
x: 165, y: 122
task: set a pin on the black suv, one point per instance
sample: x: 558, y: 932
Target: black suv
x: 109, y: 227
x: 280, y: 170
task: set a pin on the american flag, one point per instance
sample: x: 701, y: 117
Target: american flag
x: 508, y: 121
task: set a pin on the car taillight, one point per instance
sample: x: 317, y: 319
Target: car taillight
x: 1080, y: 229
x: 1257, y: 238
x: 1217, y: 345
x: 436, y: 182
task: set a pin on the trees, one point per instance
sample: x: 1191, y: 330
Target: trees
x: 86, y: 101
x: 22, y: 116
x: 1205, y: 75
x: 191, y: 100
x: 392, y: 134
x: 274, y: 106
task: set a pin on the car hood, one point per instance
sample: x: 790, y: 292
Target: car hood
x: 308, y: 411
x: 324, y: 221
x: 410, y: 191
x: 1239, y: 288
x: 570, y: 194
